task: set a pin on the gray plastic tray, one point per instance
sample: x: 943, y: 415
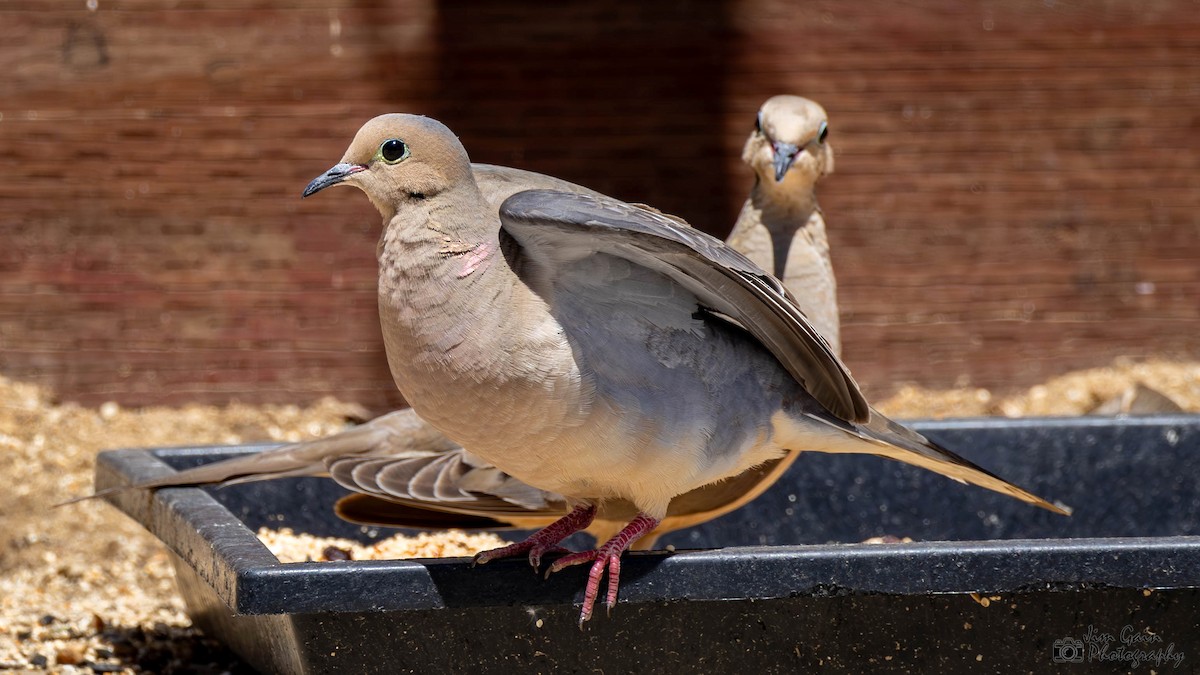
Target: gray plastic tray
x: 773, y: 587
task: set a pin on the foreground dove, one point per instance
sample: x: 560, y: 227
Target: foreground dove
x: 596, y: 350
x: 407, y: 474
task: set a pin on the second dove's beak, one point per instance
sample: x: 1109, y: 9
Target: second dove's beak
x: 785, y: 156
x: 335, y: 175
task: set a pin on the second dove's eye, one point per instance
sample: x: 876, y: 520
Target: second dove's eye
x: 393, y: 151
x: 823, y: 132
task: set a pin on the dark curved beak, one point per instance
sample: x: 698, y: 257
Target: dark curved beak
x: 335, y: 175
x: 785, y: 156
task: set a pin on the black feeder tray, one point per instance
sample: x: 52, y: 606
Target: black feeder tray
x: 782, y: 585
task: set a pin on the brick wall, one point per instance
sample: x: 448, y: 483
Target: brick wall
x: 1016, y: 194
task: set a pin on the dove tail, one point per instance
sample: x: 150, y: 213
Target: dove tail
x: 392, y: 431
x: 918, y: 450
x: 274, y: 463
x: 885, y: 438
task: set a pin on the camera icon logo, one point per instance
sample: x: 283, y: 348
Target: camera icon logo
x: 1067, y: 650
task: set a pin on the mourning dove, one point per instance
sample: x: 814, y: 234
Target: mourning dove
x: 404, y: 450
x: 401, y: 446
x: 595, y: 350
x: 780, y: 227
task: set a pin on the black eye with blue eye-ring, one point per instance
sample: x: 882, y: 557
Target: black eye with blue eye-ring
x: 393, y: 150
x: 758, y: 122
x: 822, y: 132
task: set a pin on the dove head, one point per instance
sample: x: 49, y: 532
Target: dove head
x: 397, y: 159
x: 788, y: 145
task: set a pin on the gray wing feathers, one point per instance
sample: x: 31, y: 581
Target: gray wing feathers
x: 722, y: 278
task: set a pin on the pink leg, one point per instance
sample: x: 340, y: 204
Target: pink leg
x: 544, y: 540
x: 606, y: 556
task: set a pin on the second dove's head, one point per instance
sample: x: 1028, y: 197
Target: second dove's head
x: 789, y: 142
x: 398, y: 158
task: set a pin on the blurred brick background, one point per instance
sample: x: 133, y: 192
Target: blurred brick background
x: 1017, y: 190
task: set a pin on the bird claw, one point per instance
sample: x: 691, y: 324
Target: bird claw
x: 606, y: 557
x: 535, y: 555
x: 535, y: 549
x: 570, y: 560
x: 485, y: 557
x: 543, y: 541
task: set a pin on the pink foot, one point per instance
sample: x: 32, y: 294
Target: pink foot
x: 544, y: 540
x: 606, y: 556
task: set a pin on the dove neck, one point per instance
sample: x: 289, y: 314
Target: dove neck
x: 770, y: 222
x: 438, y: 256
x: 454, y: 313
x: 786, y: 206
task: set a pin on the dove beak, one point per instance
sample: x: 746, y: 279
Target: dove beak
x: 335, y: 175
x: 785, y: 156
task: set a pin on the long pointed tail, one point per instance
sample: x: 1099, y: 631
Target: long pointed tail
x: 886, y: 438
x: 391, y: 433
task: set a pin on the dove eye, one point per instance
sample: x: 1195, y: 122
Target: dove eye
x: 758, y: 122
x: 393, y: 150
x: 822, y: 132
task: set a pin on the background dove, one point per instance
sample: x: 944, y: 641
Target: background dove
x: 388, y: 461
x: 780, y: 227
x: 596, y: 350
